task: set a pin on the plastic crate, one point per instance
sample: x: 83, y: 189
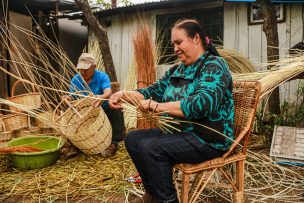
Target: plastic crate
x: 287, y: 144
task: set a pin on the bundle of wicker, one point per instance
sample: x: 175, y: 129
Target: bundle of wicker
x: 86, y: 127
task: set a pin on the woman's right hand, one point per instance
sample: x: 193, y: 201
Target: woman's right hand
x: 114, y: 100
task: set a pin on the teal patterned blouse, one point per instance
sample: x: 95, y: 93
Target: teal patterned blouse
x: 204, y: 90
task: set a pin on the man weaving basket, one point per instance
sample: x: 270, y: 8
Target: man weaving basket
x: 90, y: 80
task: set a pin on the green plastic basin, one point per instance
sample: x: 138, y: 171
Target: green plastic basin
x: 32, y: 160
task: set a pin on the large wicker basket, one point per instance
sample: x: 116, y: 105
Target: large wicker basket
x: 29, y: 100
x: 15, y: 121
x: 88, y: 129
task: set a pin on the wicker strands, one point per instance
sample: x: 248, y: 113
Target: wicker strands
x: 30, y: 100
x: 86, y: 127
x: 15, y: 121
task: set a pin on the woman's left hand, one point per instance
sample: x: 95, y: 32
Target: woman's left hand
x: 149, y: 104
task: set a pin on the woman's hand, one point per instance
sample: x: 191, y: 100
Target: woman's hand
x: 149, y: 104
x: 114, y: 100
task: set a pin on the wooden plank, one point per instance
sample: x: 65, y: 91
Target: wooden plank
x: 243, y: 40
x: 115, y: 39
x: 255, y: 44
x: 20, y: 44
x: 296, y: 26
x: 230, y: 21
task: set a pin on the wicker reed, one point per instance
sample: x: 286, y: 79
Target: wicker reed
x: 15, y: 121
x: 91, y: 132
x: 30, y: 100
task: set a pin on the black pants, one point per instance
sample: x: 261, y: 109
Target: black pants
x: 117, y: 122
x: 154, y: 155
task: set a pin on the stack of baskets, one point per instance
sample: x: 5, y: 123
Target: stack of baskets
x: 18, y: 118
x: 86, y: 127
x: 4, y: 135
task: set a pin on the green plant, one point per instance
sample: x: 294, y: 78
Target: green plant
x: 292, y: 114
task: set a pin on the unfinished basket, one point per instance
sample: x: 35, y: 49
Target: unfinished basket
x: 29, y: 100
x: 15, y: 121
x: 86, y: 127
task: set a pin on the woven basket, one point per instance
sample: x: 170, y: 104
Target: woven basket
x: 44, y: 117
x: 14, y: 121
x: 88, y: 129
x: 6, y: 136
x: 30, y: 100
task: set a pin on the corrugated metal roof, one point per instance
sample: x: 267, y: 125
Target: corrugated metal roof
x: 24, y: 6
x: 147, y: 6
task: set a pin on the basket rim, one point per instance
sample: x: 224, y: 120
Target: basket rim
x: 12, y: 114
x: 61, y: 140
x: 25, y: 94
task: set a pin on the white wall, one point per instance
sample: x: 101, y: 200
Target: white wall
x: 250, y: 40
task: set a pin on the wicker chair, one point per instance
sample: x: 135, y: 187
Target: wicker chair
x: 246, y: 96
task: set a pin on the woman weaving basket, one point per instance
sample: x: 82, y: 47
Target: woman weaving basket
x: 199, y: 89
x: 91, y: 80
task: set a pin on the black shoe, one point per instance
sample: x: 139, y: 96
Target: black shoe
x: 110, y: 151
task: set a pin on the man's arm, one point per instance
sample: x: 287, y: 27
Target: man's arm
x: 100, y: 98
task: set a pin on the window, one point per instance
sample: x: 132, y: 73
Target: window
x: 255, y: 13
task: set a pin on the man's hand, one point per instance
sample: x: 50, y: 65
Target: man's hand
x: 97, y: 102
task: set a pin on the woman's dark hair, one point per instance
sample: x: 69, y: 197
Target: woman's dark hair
x: 193, y: 27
